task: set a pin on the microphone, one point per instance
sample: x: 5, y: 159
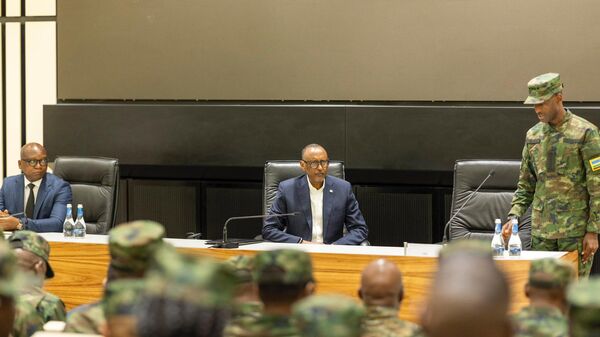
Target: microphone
x: 192, y: 235
x: 226, y: 244
x: 447, y: 226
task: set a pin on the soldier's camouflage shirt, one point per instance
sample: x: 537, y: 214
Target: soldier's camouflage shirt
x: 560, y: 179
x: 540, y: 322
x: 243, y: 317
x: 270, y: 326
x: 384, y: 322
x: 48, y: 306
x: 86, y: 319
x: 27, y: 321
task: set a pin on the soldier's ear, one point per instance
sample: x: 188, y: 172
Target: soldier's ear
x: 527, y: 290
x: 559, y: 97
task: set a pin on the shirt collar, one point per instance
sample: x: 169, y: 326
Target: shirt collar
x: 37, y: 183
x: 312, y: 188
x: 563, y: 126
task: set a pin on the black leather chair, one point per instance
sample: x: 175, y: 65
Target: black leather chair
x: 277, y: 171
x: 476, y: 220
x: 95, y: 184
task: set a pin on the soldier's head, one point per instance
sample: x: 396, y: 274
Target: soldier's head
x: 548, y: 281
x: 8, y: 288
x: 34, y: 161
x: 132, y: 246
x: 545, y: 93
x: 469, y: 296
x: 315, y: 163
x: 33, y: 253
x: 119, y: 305
x: 584, y: 308
x: 246, y: 289
x: 328, y: 316
x: 284, y: 276
x: 381, y: 284
x: 185, y: 296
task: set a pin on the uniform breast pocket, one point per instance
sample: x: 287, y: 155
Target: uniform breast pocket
x: 568, y: 157
x: 537, y: 158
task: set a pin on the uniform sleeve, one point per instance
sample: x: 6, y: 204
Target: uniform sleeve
x: 525, y: 187
x: 591, y: 156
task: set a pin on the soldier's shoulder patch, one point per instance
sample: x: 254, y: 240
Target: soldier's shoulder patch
x: 595, y: 164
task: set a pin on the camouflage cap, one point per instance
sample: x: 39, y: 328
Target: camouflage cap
x: 584, y: 313
x: 550, y: 273
x: 9, y: 280
x: 328, y: 316
x: 283, y: 266
x: 202, y: 281
x: 121, y: 297
x: 34, y: 243
x: 133, y: 244
x: 243, y: 265
x: 542, y: 87
x: 468, y: 247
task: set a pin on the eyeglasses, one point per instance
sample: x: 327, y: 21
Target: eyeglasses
x: 316, y: 163
x: 34, y: 162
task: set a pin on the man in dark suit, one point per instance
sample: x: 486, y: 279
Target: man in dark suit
x: 37, y: 199
x: 325, y: 205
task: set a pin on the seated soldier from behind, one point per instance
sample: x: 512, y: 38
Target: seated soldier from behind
x: 469, y: 295
x: 328, y: 316
x: 17, y: 318
x: 381, y: 291
x: 284, y: 277
x: 33, y: 252
x: 584, y: 308
x: 132, y: 246
x: 247, y: 307
x: 546, y: 290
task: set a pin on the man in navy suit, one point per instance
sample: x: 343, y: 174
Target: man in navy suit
x: 325, y: 205
x: 37, y: 199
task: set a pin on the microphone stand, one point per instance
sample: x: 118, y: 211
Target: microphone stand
x: 226, y: 244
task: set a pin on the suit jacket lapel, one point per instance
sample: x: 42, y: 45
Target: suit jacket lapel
x: 304, y: 198
x: 19, y: 196
x: 45, y: 187
x: 328, y: 195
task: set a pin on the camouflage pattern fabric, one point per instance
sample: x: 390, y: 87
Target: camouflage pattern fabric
x: 328, y: 316
x: 384, y: 322
x: 560, y: 179
x: 283, y: 266
x: 133, y: 244
x: 540, y: 322
x: 34, y: 243
x: 244, y: 316
x: 27, y: 320
x: 542, y: 87
x: 10, y: 278
x: 270, y: 326
x: 584, y: 312
x: 563, y: 245
x: 550, y: 273
x: 86, y: 319
x: 48, y: 306
x: 121, y: 297
x: 243, y: 266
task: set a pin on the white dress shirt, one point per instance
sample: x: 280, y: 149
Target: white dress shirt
x: 316, y: 206
x: 36, y: 188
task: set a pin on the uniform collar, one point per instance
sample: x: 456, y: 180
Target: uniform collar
x: 563, y: 126
x: 380, y: 312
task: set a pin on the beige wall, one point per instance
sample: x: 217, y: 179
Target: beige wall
x: 461, y: 50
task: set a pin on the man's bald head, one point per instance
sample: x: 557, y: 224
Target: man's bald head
x: 381, y: 284
x: 32, y: 148
x: 469, y: 298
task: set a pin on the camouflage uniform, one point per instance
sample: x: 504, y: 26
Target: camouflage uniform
x: 537, y: 321
x: 131, y: 247
x: 244, y: 314
x: 384, y: 322
x: 559, y: 177
x: 48, y: 306
x: 329, y: 316
x: 584, y: 312
x: 26, y: 320
x: 278, y: 267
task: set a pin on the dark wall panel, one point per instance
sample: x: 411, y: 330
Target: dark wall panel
x: 228, y: 200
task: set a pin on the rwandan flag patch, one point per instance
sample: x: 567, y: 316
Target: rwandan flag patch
x: 595, y: 164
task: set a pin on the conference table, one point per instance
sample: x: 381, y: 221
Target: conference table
x: 80, y: 266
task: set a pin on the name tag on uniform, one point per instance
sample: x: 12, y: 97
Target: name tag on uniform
x: 595, y: 164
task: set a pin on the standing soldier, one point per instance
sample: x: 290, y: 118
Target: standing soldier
x: 546, y: 290
x: 560, y: 176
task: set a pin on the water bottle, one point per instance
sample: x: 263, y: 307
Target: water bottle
x: 79, y: 227
x: 497, y: 240
x: 68, y: 224
x: 514, y: 244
